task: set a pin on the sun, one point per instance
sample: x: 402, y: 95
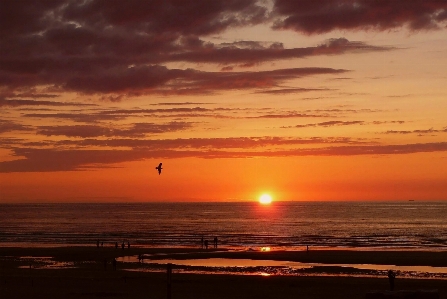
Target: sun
x: 265, y: 199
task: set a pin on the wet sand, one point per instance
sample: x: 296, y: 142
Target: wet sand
x: 82, y: 274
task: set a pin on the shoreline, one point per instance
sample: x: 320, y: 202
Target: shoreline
x: 255, y: 248
x: 84, y: 275
x: 399, y: 256
x: 323, y: 257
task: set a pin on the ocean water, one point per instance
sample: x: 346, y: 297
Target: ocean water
x: 245, y: 225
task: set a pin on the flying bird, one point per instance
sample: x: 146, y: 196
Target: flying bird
x: 159, y: 168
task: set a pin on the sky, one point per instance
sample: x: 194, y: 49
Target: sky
x: 300, y: 99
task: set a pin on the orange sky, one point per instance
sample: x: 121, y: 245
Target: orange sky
x: 337, y: 100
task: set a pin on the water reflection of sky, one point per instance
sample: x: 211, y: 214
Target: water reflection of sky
x: 245, y: 263
x: 44, y: 262
x: 250, y: 267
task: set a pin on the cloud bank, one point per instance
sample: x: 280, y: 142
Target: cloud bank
x: 313, y: 17
x: 112, y: 47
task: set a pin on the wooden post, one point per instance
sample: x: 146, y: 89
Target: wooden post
x: 168, y: 280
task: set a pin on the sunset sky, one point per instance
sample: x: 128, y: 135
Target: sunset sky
x: 300, y: 99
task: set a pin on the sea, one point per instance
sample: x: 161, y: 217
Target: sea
x: 237, y: 225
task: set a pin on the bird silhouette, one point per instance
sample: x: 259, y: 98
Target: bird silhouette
x: 159, y: 168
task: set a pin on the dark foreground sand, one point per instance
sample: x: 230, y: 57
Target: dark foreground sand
x: 89, y: 279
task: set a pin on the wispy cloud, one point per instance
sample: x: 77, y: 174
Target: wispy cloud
x: 10, y: 126
x: 161, y: 80
x: 77, y: 117
x: 250, y: 53
x: 18, y: 103
x: 135, y: 130
x: 334, y: 123
x: 291, y: 90
x: 42, y: 160
x: 418, y: 132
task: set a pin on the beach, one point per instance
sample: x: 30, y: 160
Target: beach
x: 81, y: 272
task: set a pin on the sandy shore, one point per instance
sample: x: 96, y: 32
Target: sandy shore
x: 81, y: 274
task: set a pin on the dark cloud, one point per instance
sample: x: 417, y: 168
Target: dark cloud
x: 58, y: 43
x: 289, y: 115
x: 419, y: 132
x: 159, y: 110
x: 32, y: 95
x: 117, y: 49
x: 9, y: 126
x: 42, y: 160
x: 77, y: 117
x: 379, y: 122
x: 343, y: 111
x: 226, y: 69
x: 89, y: 131
x: 95, y: 116
x: 340, y: 123
x: 185, y: 17
x: 250, y: 53
x: 158, y: 79
x: 343, y: 123
x: 331, y: 123
x: 12, y: 142
x: 179, y: 104
x: 398, y: 132
x: 19, y: 103
x: 313, y: 17
x: 291, y: 90
x: 25, y: 16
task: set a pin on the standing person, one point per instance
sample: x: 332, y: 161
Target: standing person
x: 202, y: 242
x: 206, y: 244
x: 122, y: 246
x: 215, y: 242
x: 128, y: 245
x: 391, y: 277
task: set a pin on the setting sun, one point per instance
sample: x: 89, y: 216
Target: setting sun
x: 265, y: 199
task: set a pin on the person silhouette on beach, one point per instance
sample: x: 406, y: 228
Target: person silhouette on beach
x: 391, y: 277
x: 122, y: 246
x: 201, y: 242
x: 128, y: 245
x: 206, y: 244
x: 215, y: 242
